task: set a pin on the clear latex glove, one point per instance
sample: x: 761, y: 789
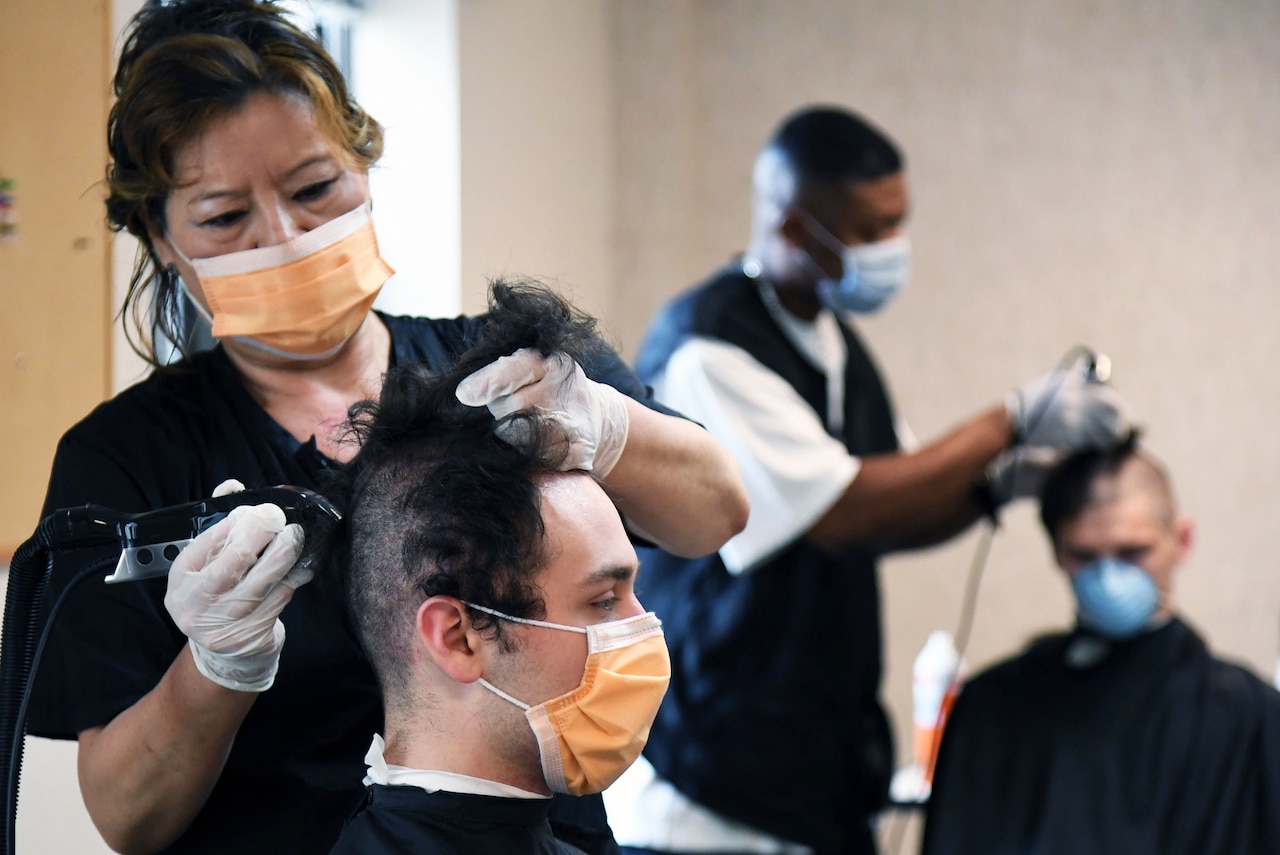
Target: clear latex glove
x: 1064, y: 408
x: 1019, y: 473
x: 590, y: 417
x: 227, y: 589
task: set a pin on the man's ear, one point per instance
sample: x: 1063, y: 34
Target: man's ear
x: 794, y: 230
x: 1185, y: 530
x: 444, y: 630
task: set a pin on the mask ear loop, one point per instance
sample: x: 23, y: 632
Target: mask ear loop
x: 188, y: 299
x: 521, y: 704
x: 827, y: 239
x: 815, y: 271
x: 191, y: 298
x: 529, y: 621
x: 823, y: 233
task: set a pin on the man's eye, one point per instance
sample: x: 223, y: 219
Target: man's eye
x: 608, y: 604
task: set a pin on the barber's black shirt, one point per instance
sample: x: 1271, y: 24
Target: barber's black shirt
x: 295, y: 770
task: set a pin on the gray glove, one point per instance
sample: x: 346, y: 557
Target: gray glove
x: 227, y: 589
x: 1064, y: 408
x: 1019, y: 473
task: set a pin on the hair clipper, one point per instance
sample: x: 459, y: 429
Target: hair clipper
x: 150, y: 541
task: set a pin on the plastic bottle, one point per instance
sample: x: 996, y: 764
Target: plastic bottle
x: 933, y: 690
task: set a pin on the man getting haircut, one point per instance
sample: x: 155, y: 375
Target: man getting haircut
x: 492, y: 585
x: 1124, y: 734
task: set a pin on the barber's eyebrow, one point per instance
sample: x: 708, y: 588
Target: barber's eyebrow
x: 213, y: 195
x: 310, y: 161
x: 607, y: 574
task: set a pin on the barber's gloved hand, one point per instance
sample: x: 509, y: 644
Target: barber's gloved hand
x: 1063, y: 408
x: 227, y: 589
x: 590, y: 417
x: 1019, y: 473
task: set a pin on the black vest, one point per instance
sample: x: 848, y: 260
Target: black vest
x: 773, y: 718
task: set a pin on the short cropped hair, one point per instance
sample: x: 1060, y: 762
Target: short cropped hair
x: 437, y: 502
x: 830, y: 145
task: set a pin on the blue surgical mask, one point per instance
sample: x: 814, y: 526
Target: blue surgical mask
x: 1114, y: 598
x: 874, y: 273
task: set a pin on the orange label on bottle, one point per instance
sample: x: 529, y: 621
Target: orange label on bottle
x: 927, y: 739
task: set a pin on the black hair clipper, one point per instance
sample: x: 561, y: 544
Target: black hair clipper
x: 150, y: 541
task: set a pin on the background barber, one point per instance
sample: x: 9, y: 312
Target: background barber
x: 772, y: 738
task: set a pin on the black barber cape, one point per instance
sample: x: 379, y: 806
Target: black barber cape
x: 1080, y: 747
x: 406, y: 819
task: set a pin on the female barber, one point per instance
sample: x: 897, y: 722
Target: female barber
x: 240, y: 162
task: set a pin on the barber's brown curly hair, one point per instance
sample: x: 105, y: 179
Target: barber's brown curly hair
x: 183, y: 65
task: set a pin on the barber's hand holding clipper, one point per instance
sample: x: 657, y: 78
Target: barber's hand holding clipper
x: 1068, y: 408
x: 589, y: 416
x: 1062, y: 410
x: 227, y: 589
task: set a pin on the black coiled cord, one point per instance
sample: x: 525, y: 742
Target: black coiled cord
x: 22, y: 639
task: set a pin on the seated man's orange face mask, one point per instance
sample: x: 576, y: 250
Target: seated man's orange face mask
x: 588, y: 737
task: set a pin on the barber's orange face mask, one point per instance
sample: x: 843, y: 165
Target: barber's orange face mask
x: 302, y: 299
x: 588, y: 737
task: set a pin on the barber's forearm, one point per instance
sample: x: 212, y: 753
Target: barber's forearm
x: 676, y: 485
x: 146, y: 774
x: 901, y: 501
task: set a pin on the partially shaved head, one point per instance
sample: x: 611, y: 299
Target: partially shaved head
x: 1097, y: 478
x: 1117, y: 504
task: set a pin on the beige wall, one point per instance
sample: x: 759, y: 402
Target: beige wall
x: 1091, y: 173
x: 61, y: 52
x: 53, y: 271
x: 406, y: 75
x: 1098, y: 173
x: 127, y: 367
x: 537, y: 159
x: 1082, y: 172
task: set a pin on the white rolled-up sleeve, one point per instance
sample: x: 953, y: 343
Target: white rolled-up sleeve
x: 793, y: 469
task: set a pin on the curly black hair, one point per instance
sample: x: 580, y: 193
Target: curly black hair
x: 437, y: 502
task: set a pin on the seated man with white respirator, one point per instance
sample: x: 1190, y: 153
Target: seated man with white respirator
x: 494, y: 591
x: 1123, y: 735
